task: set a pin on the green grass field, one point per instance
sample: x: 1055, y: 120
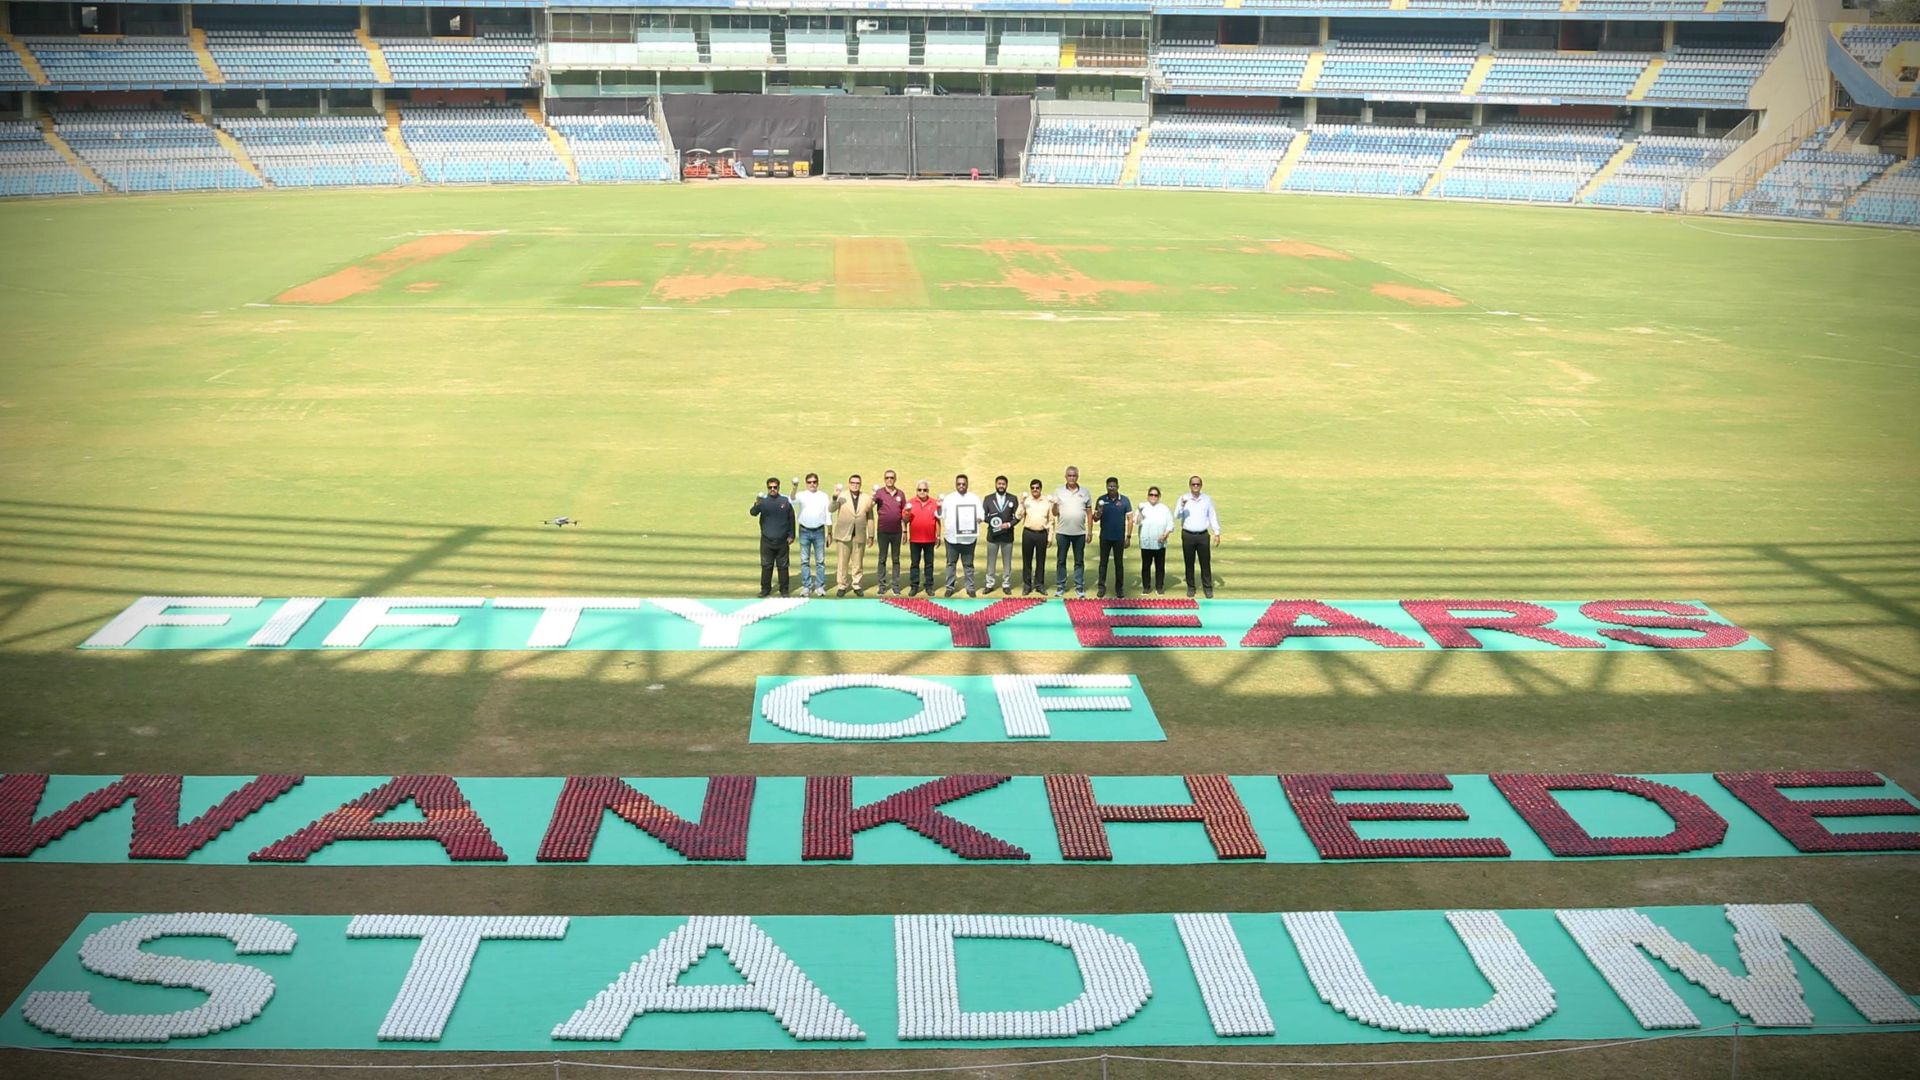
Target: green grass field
x: 260, y: 395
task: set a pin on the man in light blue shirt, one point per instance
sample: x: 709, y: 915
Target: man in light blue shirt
x: 1199, y: 531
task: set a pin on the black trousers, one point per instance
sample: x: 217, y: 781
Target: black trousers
x: 922, y: 553
x: 1117, y: 551
x: 1198, y: 544
x: 773, y: 553
x: 1153, y: 569
x: 1033, y: 558
x: 889, y: 546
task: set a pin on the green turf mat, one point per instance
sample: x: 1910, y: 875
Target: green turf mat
x: 332, y: 992
x: 856, y: 712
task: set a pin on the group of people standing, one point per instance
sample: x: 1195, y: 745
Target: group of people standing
x: 851, y: 519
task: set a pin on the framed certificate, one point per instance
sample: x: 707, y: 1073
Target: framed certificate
x: 966, y: 519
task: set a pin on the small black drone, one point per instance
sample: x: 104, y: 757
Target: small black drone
x: 562, y: 522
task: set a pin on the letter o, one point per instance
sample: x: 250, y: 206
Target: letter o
x: 785, y: 707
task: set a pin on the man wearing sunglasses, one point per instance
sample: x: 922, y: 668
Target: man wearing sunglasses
x: 1199, y: 531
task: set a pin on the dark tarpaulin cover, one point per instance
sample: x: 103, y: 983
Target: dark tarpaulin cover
x: 746, y: 122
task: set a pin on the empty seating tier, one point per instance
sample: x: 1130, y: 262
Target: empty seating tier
x: 1411, y: 67
x: 1209, y: 68
x: 134, y: 62
x: 1080, y: 149
x: 1893, y: 199
x: 1659, y: 170
x: 480, y: 146
x: 318, y: 151
x: 1871, y: 44
x: 152, y: 151
x: 1556, y: 75
x: 1226, y: 152
x: 1812, y: 182
x: 1722, y: 75
x: 291, y: 58
x: 614, y: 149
x: 485, y: 61
x: 1530, y: 162
x: 1353, y: 160
x: 28, y: 166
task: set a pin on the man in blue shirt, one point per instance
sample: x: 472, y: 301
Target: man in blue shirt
x: 776, y: 534
x: 1114, y: 512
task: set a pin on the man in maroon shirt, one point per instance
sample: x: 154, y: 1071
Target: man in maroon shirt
x: 888, y: 502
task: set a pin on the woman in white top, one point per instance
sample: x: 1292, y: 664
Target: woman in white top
x: 1153, y: 523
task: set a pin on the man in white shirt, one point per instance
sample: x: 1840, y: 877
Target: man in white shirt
x: 1199, y: 531
x: 961, y: 514
x: 1072, y: 503
x: 1154, y: 524
x: 814, y: 510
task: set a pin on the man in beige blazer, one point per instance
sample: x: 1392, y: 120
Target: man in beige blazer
x: 852, y: 526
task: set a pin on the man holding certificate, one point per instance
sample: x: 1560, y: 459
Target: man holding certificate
x: 961, y: 513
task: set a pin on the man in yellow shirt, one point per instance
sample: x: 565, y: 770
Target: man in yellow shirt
x: 1036, y: 517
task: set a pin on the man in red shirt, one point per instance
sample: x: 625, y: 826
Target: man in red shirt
x: 922, y: 515
x: 889, y: 503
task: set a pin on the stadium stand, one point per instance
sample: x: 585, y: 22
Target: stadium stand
x: 28, y: 166
x: 1893, y: 199
x: 816, y: 48
x: 1205, y: 67
x: 152, y: 151
x: 739, y: 46
x: 1870, y: 44
x: 1661, y: 165
x: 119, y: 62
x: 955, y: 48
x: 1414, y: 60
x: 13, y: 73
x: 1720, y: 75
x: 292, y: 58
x: 1027, y: 50
x: 480, y: 146
x: 1812, y: 182
x: 1080, y: 149
x: 1225, y: 152
x: 1530, y: 162
x: 318, y: 151
x: 1345, y: 159
x: 666, y: 46
x: 501, y: 60
x: 885, y: 48
x: 615, y: 149
x: 1552, y: 74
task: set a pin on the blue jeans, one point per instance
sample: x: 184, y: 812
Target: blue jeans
x: 813, y: 558
x: 1078, y: 545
